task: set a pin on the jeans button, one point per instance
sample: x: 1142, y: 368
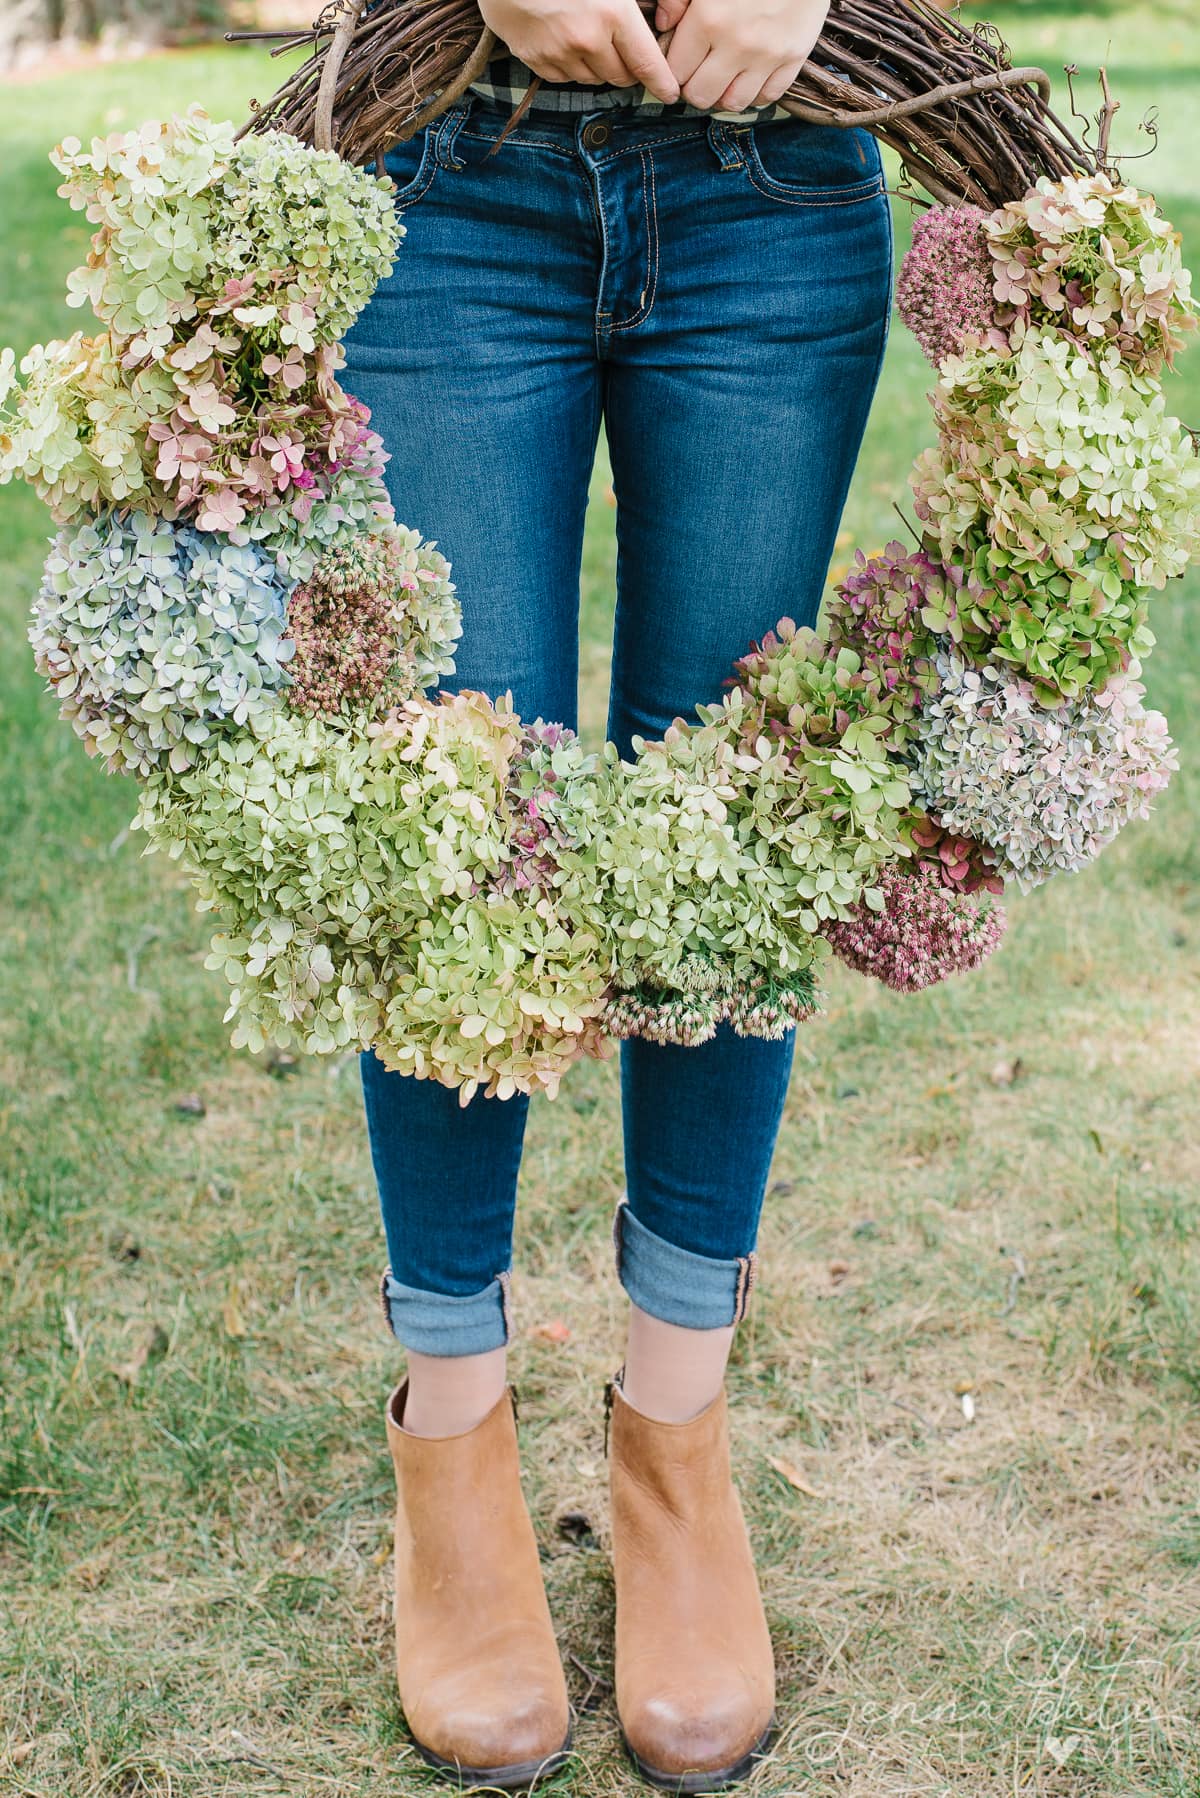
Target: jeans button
x: 595, y: 134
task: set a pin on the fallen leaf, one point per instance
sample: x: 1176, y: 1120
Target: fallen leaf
x: 792, y: 1475
x: 553, y: 1331
x: 1006, y: 1073
x: 152, y: 1345
x: 574, y: 1526
x: 231, y: 1316
x: 838, y: 1271
x: 587, y: 1470
x: 191, y: 1105
x: 93, y: 1572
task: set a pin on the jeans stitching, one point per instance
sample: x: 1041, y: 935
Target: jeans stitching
x: 655, y: 143
x: 852, y: 195
x: 599, y: 329
x: 422, y: 181
x: 521, y: 143
x: 650, y: 206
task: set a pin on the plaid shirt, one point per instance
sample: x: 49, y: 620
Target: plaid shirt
x: 507, y: 80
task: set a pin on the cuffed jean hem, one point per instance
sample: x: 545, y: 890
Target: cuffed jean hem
x: 700, y: 1292
x: 441, y: 1323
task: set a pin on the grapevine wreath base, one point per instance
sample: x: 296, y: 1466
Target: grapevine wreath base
x: 230, y: 613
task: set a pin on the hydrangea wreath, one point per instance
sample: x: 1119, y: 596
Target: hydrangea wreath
x: 231, y: 613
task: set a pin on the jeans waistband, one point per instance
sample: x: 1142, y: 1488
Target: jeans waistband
x: 597, y: 135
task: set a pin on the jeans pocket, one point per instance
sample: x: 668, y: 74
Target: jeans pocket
x: 813, y: 165
x: 412, y: 167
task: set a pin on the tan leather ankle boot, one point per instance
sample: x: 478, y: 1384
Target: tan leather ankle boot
x: 480, y: 1678
x: 695, y: 1671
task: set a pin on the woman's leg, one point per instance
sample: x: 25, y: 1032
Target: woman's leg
x: 477, y: 362
x: 734, y: 411
x: 735, y: 401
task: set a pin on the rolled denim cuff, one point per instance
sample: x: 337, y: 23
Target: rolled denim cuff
x: 441, y: 1323
x: 700, y: 1292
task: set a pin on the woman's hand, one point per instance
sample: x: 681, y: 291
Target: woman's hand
x: 734, y: 54
x: 598, y: 41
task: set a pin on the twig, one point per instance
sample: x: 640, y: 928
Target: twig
x: 1108, y: 113
x: 1014, y: 1282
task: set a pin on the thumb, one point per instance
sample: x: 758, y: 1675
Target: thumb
x: 669, y: 13
x: 641, y: 55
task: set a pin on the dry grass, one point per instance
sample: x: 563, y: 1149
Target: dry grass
x: 991, y: 1191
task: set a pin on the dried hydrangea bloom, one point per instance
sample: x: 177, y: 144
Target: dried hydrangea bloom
x: 1053, y: 459
x: 1096, y: 261
x: 944, y: 292
x: 1055, y: 625
x: 268, y: 233
x: 213, y: 431
x: 551, y: 799
x: 880, y: 611
x: 495, y: 995
x: 155, y: 636
x: 923, y: 931
x: 958, y: 861
x: 1044, y: 787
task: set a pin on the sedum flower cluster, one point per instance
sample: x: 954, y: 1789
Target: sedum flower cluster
x: 923, y: 932
x: 376, y: 621
x: 230, y: 613
x: 945, y: 290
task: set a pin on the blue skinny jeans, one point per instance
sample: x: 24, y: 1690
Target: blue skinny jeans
x: 717, y: 296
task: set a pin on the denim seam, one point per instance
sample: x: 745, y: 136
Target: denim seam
x: 655, y: 143
x: 447, y: 136
x: 817, y: 196
x: 600, y: 329
x: 422, y: 181
x: 650, y: 203
x: 521, y: 143
x: 505, y: 1280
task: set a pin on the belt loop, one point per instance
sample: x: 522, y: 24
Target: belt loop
x: 724, y: 141
x: 448, y: 128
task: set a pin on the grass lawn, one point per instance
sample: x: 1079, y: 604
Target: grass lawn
x: 991, y: 1189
